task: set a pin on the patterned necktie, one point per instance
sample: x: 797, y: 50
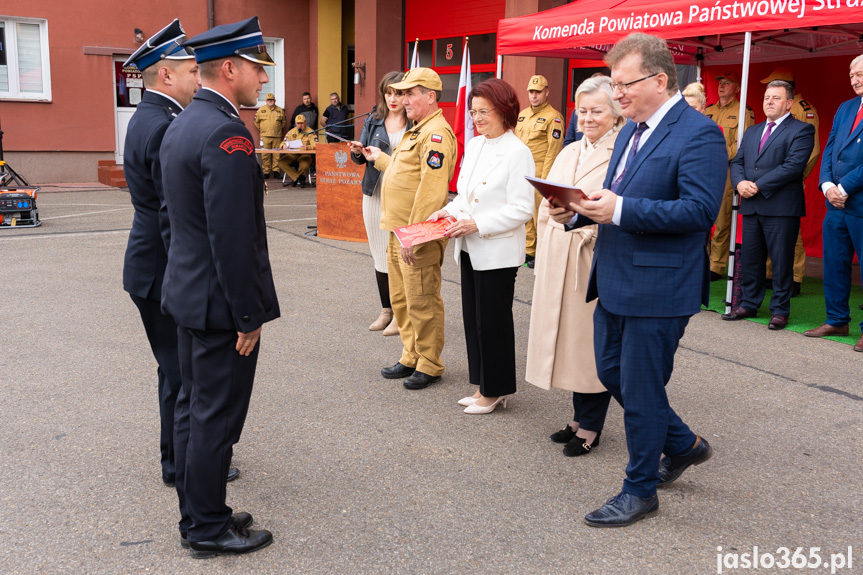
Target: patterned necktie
x: 857, y: 119
x: 766, y: 135
x: 642, y: 126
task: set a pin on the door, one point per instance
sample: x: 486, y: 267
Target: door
x: 128, y: 88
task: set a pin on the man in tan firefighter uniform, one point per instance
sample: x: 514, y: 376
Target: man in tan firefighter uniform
x: 725, y: 114
x: 308, y: 138
x: 804, y: 111
x: 270, y: 122
x: 541, y: 127
x: 415, y: 185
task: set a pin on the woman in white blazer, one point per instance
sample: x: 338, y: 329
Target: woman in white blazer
x: 493, y: 203
x: 560, y: 342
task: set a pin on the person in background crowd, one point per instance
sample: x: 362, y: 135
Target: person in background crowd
x: 308, y: 140
x: 218, y: 282
x: 336, y: 120
x: 802, y: 110
x: 385, y: 129
x: 415, y: 185
x: 307, y: 109
x: 767, y: 172
x: 560, y: 343
x: 725, y: 113
x: 695, y: 96
x: 493, y: 203
x: 572, y: 132
x: 842, y: 184
x: 270, y: 122
x: 650, y: 271
x: 540, y: 127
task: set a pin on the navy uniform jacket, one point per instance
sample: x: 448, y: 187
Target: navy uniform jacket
x: 654, y: 264
x: 146, y: 252
x: 777, y: 170
x: 218, y: 275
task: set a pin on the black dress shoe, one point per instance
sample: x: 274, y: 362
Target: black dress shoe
x: 529, y: 260
x: 778, y: 322
x: 296, y: 183
x: 397, y: 371
x: 564, y: 435
x: 671, y: 467
x: 233, y: 473
x: 579, y: 446
x: 420, y: 380
x: 303, y: 183
x: 623, y: 509
x: 241, y: 519
x: 236, y: 541
x: 795, y: 288
x: 739, y: 313
x: 715, y: 276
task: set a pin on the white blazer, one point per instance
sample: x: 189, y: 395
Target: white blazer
x: 500, y: 201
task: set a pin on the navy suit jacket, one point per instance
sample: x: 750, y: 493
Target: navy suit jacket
x: 655, y: 264
x: 572, y: 133
x: 842, y: 159
x: 146, y: 251
x: 218, y: 275
x: 777, y: 170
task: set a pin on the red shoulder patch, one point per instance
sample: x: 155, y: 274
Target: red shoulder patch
x: 236, y: 143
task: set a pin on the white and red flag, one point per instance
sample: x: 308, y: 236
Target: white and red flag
x: 463, y: 127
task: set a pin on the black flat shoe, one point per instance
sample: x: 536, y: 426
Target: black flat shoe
x: 397, y: 371
x: 579, y: 446
x: 241, y: 519
x: 420, y: 380
x: 623, y: 509
x: 564, y: 435
x: 670, y: 468
x: 235, y: 541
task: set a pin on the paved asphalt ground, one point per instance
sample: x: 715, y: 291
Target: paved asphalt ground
x: 353, y: 473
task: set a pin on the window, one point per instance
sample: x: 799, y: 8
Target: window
x: 276, y: 84
x: 24, y: 68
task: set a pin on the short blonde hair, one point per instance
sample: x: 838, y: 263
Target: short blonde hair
x: 696, y: 90
x: 601, y: 84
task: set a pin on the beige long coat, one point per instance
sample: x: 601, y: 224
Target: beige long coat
x: 560, y: 341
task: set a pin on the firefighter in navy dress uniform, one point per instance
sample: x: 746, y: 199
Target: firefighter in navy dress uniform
x: 218, y: 282
x: 171, y: 79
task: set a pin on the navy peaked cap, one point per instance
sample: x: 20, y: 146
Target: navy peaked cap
x: 164, y: 44
x: 243, y: 39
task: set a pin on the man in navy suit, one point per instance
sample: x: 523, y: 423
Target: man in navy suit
x: 650, y: 269
x: 842, y: 184
x: 170, y: 75
x: 218, y: 282
x: 768, y: 173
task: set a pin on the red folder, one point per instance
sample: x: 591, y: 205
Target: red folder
x: 558, y: 195
x: 422, y: 232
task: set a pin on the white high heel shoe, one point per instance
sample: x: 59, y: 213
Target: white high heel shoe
x: 478, y: 409
x: 469, y: 400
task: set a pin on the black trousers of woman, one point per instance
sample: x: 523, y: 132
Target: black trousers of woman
x: 486, y: 302
x: 590, y: 409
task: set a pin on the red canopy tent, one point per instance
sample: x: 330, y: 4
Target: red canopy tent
x: 702, y: 33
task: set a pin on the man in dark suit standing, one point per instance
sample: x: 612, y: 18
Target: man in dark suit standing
x: 650, y: 269
x: 170, y: 75
x: 768, y: 173
x: 218, y: 282
x: 842, y: 183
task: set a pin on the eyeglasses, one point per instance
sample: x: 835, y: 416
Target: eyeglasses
x: 481, y: 114
x: 623, y: 88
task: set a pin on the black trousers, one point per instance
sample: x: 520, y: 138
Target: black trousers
x: 486, y: 302
x: 162, y: 335
x: 211, y: 410
x: 777, y: 236
x: 590, y: 409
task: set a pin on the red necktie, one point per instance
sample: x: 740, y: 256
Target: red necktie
x: 857, y: 119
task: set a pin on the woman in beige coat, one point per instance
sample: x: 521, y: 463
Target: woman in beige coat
x: 560, y: 343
